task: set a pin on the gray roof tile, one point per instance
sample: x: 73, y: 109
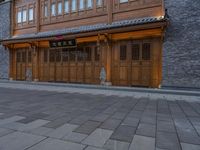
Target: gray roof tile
x: 88, y: 28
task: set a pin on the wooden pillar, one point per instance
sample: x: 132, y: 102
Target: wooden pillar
x: 156, y: 63
x: 35, y: 64
x: 11, y: 64
x: 108, y: 61
x: 14, y: 67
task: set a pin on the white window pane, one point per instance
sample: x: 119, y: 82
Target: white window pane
x: 73, y: 5
x: 99, y: 2
x: 123, y: 1
x: 53, y: 9
x: 60, y: 8
x: 46, y: 11
x: 81, y: 4
x: 24, y: 16
x: 66, y: 6
x: 30, y: 14
x: 19, y: 17
x: 89, y: 3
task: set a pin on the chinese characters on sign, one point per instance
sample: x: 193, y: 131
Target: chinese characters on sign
x: 62, y: 43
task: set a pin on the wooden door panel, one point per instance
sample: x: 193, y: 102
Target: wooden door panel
x: 52, y: 72
x: 58, y: 72
x: 45, y: 72
x: 65, y: 73
x: 80, y: 72
x: 19, y: 71
x: 88, y: 72
x: 123, y: 75
x: 135, y: 75
x: 73, y: 70
x: 97, y: 71
x: 145, y: 78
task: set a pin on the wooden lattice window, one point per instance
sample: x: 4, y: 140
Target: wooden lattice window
x: 72, y: 54
x: 146, y: 51
x: 29, y: 57
x: 51, y: 56
x: 123, y: 49
x: 58, y: 56
x: 45, y: 56
x: 135, y: 52
x: 24, y: 56
x: 88, y: 51
x: 97, y: 54
x: 18, y: 57
x: 65, y: 55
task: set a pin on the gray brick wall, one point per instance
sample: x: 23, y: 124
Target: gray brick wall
x: 181, y: 56
x: 4, y: 33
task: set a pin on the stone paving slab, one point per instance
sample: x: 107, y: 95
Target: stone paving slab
x: 116, y: 145
x: 110, y: 124
x: 58, y: 115
x: 75, y: 137
x: 54, y: 144
x: 88, y: 127
x: 98, y: 138
x: 142, y: 143
x: 146, y: 130
x: 186, y: 146
x: 62, y: 131
x: 4, y: 132
x: 93, y: 148
x: 19, y: 141
x: 11, y: 119
x: 43, y: 131
x: 165, y: 140
x: 124, y: 133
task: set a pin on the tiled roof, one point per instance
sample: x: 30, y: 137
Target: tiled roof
x: 88, y: 28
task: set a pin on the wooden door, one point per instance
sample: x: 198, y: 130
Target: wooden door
x: 65, y: 62
x: 22, y: 65
x: 58, y: 65
x: 121, y: 63
x: 88, y: 65
x: 146, y: 64
x: 97, y: 65
x: 72, y: 65
x: 19, y: 65
x: 80, y: 64
x: 52, y: 70
x: 44, y: 65
x: 141, y: 64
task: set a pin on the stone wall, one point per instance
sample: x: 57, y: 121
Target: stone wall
x: 181, y: 53
x: 4, y: 33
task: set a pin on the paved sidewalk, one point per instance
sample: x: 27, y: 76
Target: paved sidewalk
x: 47, y: 120
x: 167, y: 94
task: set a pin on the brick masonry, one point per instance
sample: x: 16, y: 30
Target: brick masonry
x: 181, y: 54
x: 4, y: 33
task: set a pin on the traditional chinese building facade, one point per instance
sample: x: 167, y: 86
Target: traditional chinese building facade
x: 72, y: 40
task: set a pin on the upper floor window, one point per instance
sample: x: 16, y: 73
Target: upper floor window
x: 123, y: 1
x: 46, y: 11
x: 60, y: 8
x: 19, y: 17
x: 53, y: 9
x: 30, y: 14
x: 66, y: 6
x: 81, y: 4
x: 99, y: 3
x: 89, y: 3
x: 24, y: 16
x: 74, y: 5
